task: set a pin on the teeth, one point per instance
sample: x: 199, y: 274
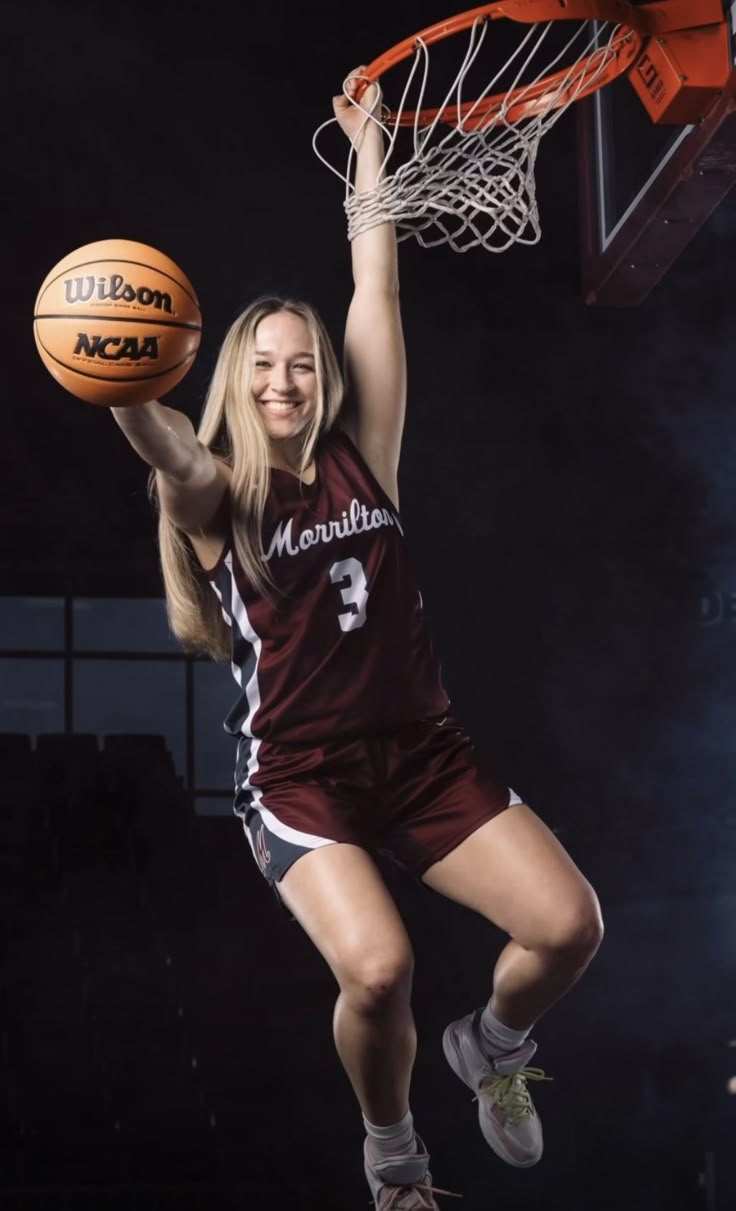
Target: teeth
x: 272, y: 407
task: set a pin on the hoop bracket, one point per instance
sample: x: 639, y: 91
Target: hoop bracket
x: 680, y: 75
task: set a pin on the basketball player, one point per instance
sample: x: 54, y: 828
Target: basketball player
x: 282, y: 550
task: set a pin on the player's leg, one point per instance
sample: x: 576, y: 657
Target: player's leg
x: 452, y: 825
x: 337, y: 895
x: 514, y: 872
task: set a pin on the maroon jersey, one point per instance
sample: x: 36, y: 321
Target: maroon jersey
x: 341, y: 648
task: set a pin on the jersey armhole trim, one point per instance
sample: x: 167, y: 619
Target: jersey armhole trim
x: 227, y: 544
x: 213, y: 572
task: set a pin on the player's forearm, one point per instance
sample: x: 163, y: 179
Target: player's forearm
x: 163, y: 437
x: 374, y: 252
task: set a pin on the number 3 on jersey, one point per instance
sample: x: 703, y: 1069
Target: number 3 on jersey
x: 350, y: 578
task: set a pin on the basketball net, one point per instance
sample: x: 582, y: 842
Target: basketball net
x: 468, y: 179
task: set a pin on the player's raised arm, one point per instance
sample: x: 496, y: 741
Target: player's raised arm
x: 189, y: 480
x: 374, y: 355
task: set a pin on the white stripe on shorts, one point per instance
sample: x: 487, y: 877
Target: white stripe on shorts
x: 287, y: 833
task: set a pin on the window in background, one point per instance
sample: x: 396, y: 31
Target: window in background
x: 211, y: 805
x: 133, y: 696
x: 215, y: 692
x: 32, y: 624
x: 31, y: 695
x: 115, y: 624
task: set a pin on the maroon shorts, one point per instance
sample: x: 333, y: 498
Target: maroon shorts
x: 411, y: 795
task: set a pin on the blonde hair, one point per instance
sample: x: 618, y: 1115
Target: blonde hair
x: 233, y: 430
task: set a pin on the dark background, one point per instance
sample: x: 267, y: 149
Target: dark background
x: 566, y: 489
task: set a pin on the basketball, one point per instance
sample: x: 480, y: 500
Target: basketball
x: 117, y: 323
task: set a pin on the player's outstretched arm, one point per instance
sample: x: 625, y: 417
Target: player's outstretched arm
x: 374, y: 354
x: 190, y: 481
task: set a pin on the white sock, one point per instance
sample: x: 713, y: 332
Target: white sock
x: 495, y: 1038
x: 398, y: 1139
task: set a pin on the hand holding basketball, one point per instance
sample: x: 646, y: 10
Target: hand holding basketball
x: 117, y: 323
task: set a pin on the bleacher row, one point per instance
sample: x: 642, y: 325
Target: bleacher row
x: 125, y: 1007
x: 75, y: 791
x: 50, y: 751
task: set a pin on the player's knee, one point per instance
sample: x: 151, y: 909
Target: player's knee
x: 575, y: 930
x: 375, y: 982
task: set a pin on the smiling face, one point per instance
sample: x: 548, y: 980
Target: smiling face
x: 284, y: 377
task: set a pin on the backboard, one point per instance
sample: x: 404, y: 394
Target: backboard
x: 647, y: 188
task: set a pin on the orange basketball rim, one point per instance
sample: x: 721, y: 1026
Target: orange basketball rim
x: 675, y: 51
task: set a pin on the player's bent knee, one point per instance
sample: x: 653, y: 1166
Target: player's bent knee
x: 576, y: 929
x: 374, y: 983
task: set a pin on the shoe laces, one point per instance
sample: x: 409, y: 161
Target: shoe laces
x: 417, y: 1197
x: 511, y: 1094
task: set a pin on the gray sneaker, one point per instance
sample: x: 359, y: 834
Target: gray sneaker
x: 403, y: 1183
x: 506, y: 1113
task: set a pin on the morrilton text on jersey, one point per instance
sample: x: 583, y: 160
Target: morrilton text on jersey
x: 355, y: 520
